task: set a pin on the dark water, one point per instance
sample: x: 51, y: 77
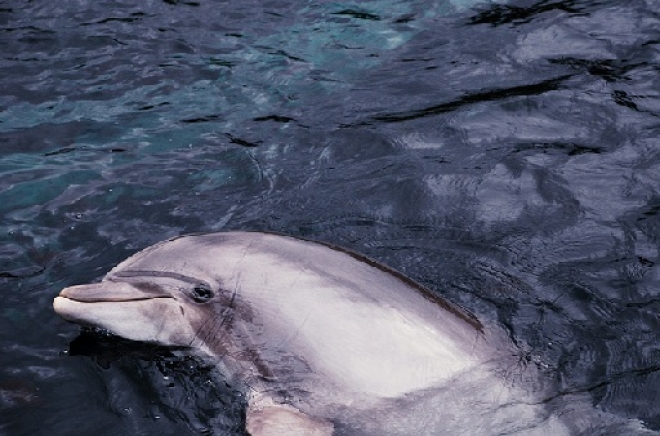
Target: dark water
x: 505, y: 155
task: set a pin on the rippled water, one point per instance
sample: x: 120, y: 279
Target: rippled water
x: 504, y: 154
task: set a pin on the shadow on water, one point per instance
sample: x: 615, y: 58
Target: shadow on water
x: 133, y: 388
x: 524, y: 13
x: 105, y: 348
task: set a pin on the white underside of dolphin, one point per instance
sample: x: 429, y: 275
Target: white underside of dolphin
x: 322, y: 340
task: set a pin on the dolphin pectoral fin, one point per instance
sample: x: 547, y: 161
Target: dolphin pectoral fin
x: 283, y: 420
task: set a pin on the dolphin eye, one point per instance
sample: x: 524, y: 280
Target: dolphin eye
x: 201, y: 294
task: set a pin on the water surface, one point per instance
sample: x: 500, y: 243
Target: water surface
x: 503, y: 154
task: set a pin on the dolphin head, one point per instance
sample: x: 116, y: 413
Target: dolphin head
x: 159, y: 310
x: 154, y: 296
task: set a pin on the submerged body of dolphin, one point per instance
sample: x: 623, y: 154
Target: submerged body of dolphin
x: 321, y: 340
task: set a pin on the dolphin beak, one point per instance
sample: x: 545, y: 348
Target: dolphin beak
x: 75, y: 303
x: 138, y: 311
x: 108, y: 291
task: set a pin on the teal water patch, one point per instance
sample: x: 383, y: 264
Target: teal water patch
x: 16, y: 318
x: 41, y: 191
x: 239, y: 75
x: 120, y: 100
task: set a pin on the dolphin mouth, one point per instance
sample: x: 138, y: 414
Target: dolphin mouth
x: 138, y: 313
x: 111, y: 292
x: 110, y: 299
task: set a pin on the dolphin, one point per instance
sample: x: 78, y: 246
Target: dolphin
x: 321, y: 340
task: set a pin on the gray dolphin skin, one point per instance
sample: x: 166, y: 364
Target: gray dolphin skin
x: 320, y: 340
